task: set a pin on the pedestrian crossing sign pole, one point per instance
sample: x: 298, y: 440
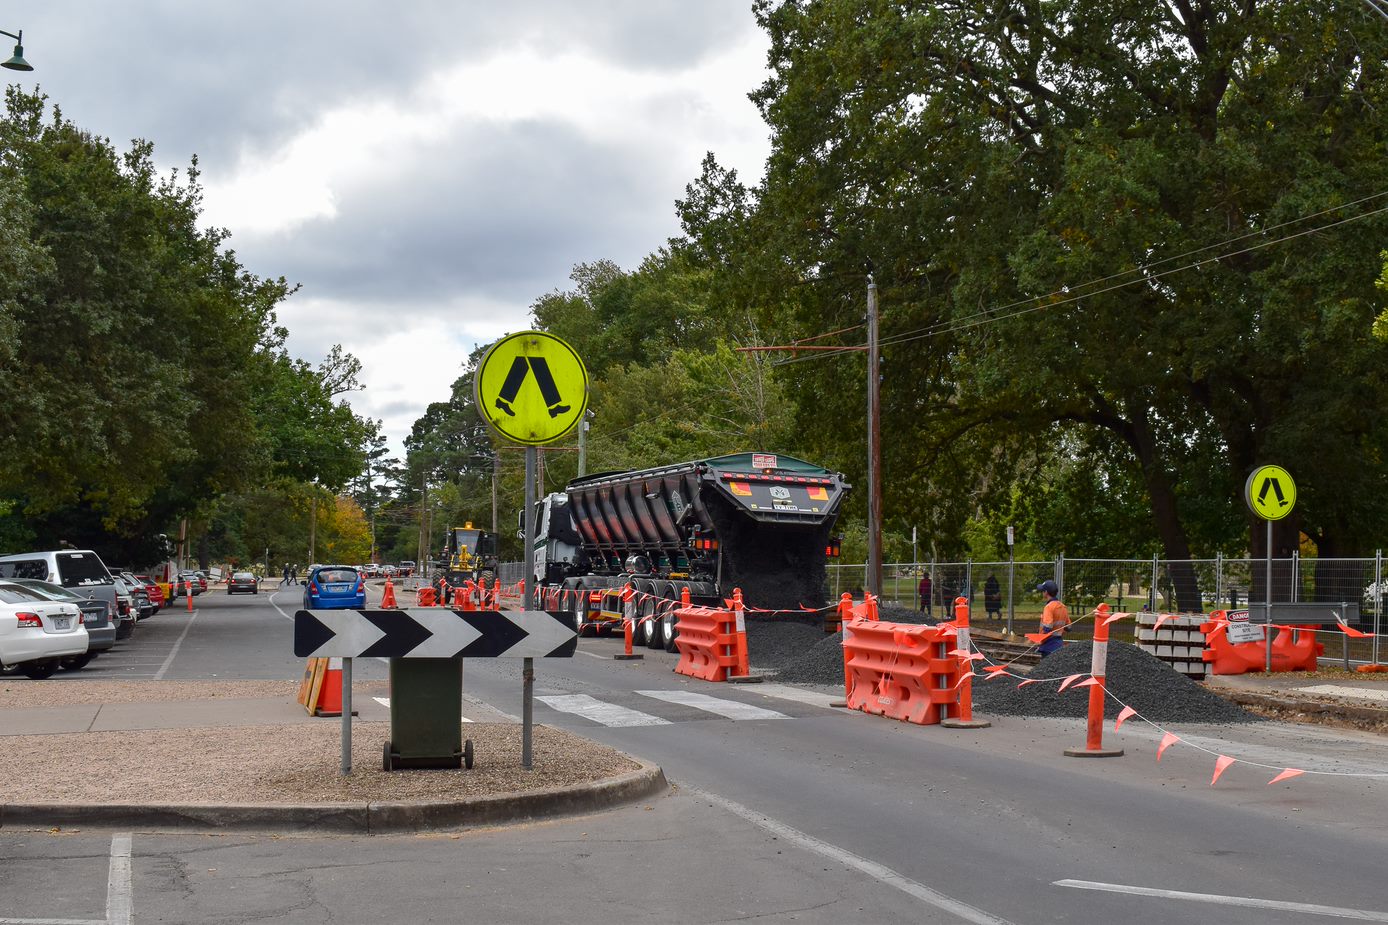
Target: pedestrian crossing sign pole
x: 532, y: 389
x: 1270, y: 494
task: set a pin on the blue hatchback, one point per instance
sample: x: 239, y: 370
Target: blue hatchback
x: 333, y: 586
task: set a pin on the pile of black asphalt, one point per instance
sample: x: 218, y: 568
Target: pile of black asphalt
x: 1134, y: 678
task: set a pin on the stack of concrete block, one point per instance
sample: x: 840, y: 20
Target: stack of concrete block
x: 1178, y: 641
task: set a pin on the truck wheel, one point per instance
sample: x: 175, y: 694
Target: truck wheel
x: 667, y: 633
x: 650, y: 626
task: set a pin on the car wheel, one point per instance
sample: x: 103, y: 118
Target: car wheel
x: 77, y: 662
x: 38, y: 671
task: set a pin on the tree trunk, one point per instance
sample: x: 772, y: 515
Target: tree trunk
x: 1162, y: 497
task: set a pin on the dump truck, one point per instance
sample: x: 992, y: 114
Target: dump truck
x: 760, y: 522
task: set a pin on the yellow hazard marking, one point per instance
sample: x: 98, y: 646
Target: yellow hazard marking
x: 1270, y: 492
x: 532, y: 388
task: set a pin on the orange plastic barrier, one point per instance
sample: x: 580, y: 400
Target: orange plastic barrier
x: 707, y: 642
x: 1294, y: 648
x: 388, y: 597
x: 963, y: 650
x: 901, y: 670
x: 426, y: 596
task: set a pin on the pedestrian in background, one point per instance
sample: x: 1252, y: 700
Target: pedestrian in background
x: 294, y: 574
x: 924, y: 590
x: 1055, y: 617
x: 285, y: 579
x: 992, y: 598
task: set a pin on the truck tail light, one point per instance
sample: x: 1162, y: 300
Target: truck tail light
x: 706, y: 545
x: 831, y: 551
x: 29, y: 619
x: 595, y: 597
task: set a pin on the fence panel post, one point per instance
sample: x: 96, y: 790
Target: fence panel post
x: 1378, y: 599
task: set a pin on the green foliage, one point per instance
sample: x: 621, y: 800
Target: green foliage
x: 143, y: 372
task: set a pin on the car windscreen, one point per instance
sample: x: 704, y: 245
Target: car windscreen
x: 81, y: 568
x: 243, y: 576
x: 14, y: 594
x: 334, y: 575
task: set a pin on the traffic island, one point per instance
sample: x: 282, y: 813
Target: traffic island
x: 285, y: 779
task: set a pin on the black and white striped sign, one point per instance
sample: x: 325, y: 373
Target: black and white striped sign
x: 434, y: 632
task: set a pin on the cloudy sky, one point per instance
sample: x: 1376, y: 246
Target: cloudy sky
x: 424, y: 169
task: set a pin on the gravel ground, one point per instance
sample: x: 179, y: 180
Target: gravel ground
x: 59, y: 691
x: 1142, y: 681
x: 822, y: 663
x: 286, y: 764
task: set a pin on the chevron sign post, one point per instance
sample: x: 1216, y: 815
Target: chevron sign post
x: 412, y: 635
x: 434, y: 633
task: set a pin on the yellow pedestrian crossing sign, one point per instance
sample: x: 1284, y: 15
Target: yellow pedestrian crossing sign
x: 531, y: 388
x: 1270, y: 492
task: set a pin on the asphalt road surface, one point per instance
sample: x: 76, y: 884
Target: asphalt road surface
x: 784, y: 809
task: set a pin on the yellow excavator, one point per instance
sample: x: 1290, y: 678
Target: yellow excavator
x: 472, y: 555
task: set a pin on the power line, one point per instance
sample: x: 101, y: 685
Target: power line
x: 1039, y: 303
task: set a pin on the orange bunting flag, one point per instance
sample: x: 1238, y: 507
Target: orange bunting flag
x: 1353, y: 633
x: 1161, y: 618
x: 1285, y: 775
x: 1068, y: 681
x: 1221, y: 764
x: 1025, y: 683
x: 1167, y: 741
x: 1037, y: 638
x: 1126, y: 713
x: 995, y: 669
x: 1088, y: 682
x: 964, y: 677
x: 964, y: 653
x: 1115, y: 617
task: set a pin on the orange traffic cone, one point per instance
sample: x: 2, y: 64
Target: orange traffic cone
x: 330, y: 697
x: 388, y: 597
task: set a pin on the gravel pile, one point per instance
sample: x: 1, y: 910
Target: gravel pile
x: 894, y: 613
x: 776, y: 642
x: 821, y: 663
x: 1140, y: 680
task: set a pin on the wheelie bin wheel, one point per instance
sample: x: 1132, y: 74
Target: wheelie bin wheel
x: 467, y: 754
x: 386, y: 763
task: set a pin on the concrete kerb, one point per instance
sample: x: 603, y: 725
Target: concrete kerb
x: 348, y: 818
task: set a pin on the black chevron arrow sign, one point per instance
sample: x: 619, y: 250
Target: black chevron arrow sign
x: 434, y: 632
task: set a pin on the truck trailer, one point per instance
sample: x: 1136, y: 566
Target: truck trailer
x: 760, y: 522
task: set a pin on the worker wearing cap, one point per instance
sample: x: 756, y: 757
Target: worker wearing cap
x: 1054, y: 618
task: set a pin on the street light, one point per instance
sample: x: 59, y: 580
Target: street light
x: 16, y: 63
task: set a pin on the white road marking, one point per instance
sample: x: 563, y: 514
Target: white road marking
x: 1343, y: 690
x: 878, y: 872
x: 159, y: 676
x: 385, y: 702
x: 603, y: 658
x: 1359, y: 915
x: 798, y: 694
x: 119, y: 906
x: 608, y: 714
x: 732, y: 709
x: 53, y: 922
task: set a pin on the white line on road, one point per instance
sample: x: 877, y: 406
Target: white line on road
x: 798, y: 694
x: 878, y: 872
x: 385, y: 702
x: 603, y: 658
x: 732, y: 709
x: 608, y: 714
x: 118, y: 901
x: 52, y: 922
x: 1359, y: 915
x: 159, y: 676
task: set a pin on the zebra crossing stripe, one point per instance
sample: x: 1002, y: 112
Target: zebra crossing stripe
x: 731, y: 709
x: 607, y: 714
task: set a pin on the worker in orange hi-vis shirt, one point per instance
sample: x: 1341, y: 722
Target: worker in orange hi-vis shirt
x: 1054, y: 618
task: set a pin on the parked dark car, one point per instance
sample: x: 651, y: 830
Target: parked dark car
x: 143, y: 602
x: 155, y: 592
x: 243, y: 581
x: 185, y: 579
